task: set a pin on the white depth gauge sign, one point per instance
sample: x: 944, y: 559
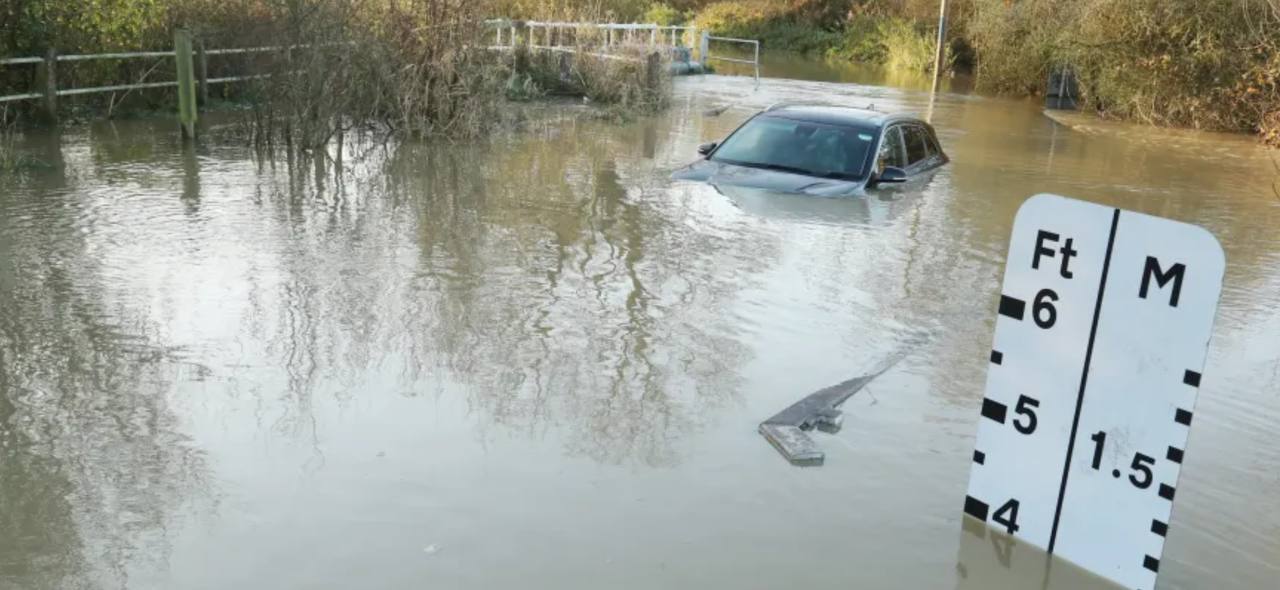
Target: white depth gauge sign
x: 1101, y: 337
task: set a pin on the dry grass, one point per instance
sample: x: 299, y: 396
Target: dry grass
x: 1205, y: 64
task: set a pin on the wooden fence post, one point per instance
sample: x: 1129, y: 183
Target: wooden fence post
x: 47, y: 82
x: 186, y: 82
x: 653, y: 73
x: 704, y: 48
x: 203, y: 73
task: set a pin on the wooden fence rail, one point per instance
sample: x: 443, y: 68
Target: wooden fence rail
x: 190, y: 62
x: 192, y: 67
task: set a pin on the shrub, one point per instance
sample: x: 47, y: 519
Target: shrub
x: 899, y: 43
x: 1212, y: 64
x: 662, y: 14
x: 773, y: 23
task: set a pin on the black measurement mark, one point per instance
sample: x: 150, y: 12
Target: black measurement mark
x: 1151, y: 563
x: 1182, y: 417
x: 994, y: 410
x: 1174, y: 454
x: 1159, y: 528
x: 979, y: 457
x: 1191, y: 378
x: 976, y: 508
x: 1084, y: 378
x: 1166, y: 491
x: 1012, y: 307
x: 997, y: 357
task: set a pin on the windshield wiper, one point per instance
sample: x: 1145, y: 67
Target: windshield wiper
x: 838, y: 175
x: 768, y: 166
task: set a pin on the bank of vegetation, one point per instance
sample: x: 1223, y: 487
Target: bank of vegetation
x: 1204, y: 64
x: 416, y: 66
x: 408, y: 67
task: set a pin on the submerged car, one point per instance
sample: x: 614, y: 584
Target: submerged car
x: 820, y: 150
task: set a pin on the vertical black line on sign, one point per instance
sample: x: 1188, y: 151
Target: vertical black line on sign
x: 1084, y: 379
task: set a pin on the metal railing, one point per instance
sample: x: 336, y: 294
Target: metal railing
x: 754, y: 62
x: 553, y: 36
x: 554, y: 33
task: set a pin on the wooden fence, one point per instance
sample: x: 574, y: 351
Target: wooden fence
x: 191, y: 62
x: 191, y: 59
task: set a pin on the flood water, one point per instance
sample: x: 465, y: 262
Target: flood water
x: 536, y: 362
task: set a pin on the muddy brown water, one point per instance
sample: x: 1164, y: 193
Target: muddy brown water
x: 534, y: 361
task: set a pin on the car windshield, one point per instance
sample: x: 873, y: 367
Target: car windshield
x: 814, y: 149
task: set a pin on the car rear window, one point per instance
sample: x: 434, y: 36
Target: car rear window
x: 811, y: 148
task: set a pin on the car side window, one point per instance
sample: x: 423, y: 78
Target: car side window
x: 917, y: 145
x: 934, y: 148
x: 891, y: 152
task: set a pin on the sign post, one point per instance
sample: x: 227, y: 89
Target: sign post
x: 1100, y: 342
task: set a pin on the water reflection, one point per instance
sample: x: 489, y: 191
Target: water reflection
x: 91, y: 460
x: 537, y: 350
x: 558, y: 308
x: 989, y: 560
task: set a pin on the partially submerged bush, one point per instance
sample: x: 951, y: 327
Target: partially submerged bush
x: 633, y: 80
x: 1210, y: 64
x: 776, y: 25
x: 899, y: 43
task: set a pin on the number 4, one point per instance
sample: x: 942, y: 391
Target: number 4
x: 1011, y: 522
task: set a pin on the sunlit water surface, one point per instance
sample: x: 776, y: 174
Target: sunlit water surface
x: 534, y: 361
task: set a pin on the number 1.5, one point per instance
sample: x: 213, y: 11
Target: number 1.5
x: 1141, y: 465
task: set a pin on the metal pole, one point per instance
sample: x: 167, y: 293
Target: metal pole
x: 757, y: 46
x: 942, y: 36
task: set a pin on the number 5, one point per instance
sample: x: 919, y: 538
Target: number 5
x: 1141, y: 463
x: 1024, y: 409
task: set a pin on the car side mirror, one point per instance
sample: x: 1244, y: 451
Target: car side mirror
x: 891, y: 175
x: 706, y: 148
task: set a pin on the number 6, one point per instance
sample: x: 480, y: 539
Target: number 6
x: 1044, y: 303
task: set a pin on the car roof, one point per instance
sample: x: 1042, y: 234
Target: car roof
x: 837, y: 115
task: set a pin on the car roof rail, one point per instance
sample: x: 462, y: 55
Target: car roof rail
x: 871, y: 106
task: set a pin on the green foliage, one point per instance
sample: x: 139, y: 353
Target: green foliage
x: 522, y: 88
x: 899, y: 43
x: 908, y: 45
x: 662, y: 14
x: 775, y: 24
x: 1200, y: 63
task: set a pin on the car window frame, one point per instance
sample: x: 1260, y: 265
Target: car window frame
x: 934, y: 145
x: 929, y: 154
x: 868, y: 166
x: 884, y: 136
